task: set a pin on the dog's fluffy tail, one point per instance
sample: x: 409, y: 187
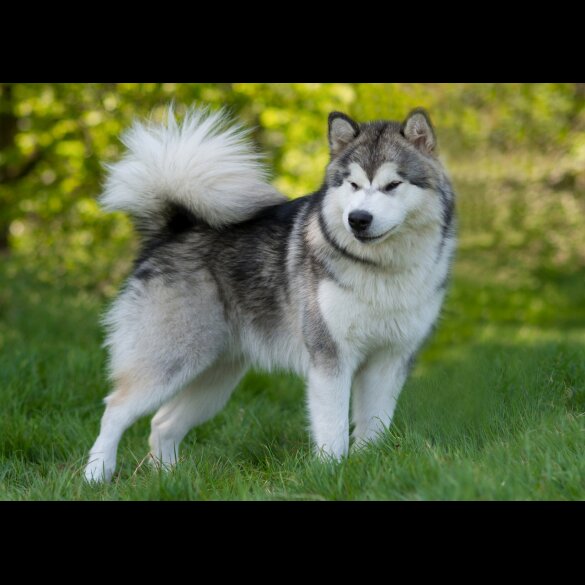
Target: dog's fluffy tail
x: 204, y: 164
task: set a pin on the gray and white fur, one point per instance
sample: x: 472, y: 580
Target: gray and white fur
x: 341, y: 286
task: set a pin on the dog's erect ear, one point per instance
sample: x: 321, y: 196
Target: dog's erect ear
x: 342, y: 130
x: 417, y: 128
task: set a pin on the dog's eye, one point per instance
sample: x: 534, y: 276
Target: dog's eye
x: 354, y: 186
x: 391, y: 186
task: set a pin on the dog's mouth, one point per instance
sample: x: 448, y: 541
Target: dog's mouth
x: 371, y: 239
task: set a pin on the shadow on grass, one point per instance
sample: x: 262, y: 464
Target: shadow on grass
x: 487, y: 391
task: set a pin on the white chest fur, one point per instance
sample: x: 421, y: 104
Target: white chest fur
x: 395, y: 310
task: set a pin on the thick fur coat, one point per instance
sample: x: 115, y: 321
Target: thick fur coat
x: 341, y: 286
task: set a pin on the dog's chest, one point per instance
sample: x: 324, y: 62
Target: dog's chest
x: 380, y: 311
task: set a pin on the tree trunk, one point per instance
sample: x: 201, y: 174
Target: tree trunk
x: 8, y: 127
x: 10, y: 173
x: 8, y: 121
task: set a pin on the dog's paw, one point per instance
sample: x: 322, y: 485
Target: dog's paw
x: 98, y: 470
x: 359, y: 445
x: 326, y: 454
x: 158, y: 463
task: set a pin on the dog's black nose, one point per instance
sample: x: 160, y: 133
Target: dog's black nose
x: 359, y: 220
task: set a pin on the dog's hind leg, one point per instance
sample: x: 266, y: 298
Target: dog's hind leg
x: 201, y: 400
x: 134, y: 396
x: 161, y: 337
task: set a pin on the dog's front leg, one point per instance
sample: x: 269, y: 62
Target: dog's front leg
x: 375, y: 392
x: 328, y: 394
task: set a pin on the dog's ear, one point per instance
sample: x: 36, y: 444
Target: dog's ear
x: 342, y: 130
x: 418, y: 130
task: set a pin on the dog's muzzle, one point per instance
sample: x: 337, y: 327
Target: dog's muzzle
x: 359, y: 221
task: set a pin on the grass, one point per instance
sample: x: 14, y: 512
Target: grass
x: 499, y: 415
x: 495, y: 408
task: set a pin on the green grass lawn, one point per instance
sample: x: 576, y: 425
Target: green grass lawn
x: 494, y: 409
x: 493, y: 412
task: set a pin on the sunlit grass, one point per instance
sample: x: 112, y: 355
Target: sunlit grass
x: 493, y: 410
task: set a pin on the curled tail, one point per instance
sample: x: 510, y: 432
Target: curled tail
x: 204, y: 164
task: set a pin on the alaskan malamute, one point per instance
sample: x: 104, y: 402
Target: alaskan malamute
x: 341, y: 286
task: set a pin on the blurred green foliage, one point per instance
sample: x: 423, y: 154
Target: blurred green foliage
x: 516, y: 153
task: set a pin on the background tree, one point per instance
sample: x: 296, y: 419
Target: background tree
x: 55, y: 137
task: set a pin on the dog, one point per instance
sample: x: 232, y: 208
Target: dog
x: 341, y: 286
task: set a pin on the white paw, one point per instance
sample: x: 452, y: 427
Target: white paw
x: 166, y: 463
x: 329, y: 453
x: 98, y: 469
x: 364, y: 437
x: 163, y: 452
x: 360, y: 444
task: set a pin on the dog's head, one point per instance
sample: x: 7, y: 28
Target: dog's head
x: 383, y: 176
